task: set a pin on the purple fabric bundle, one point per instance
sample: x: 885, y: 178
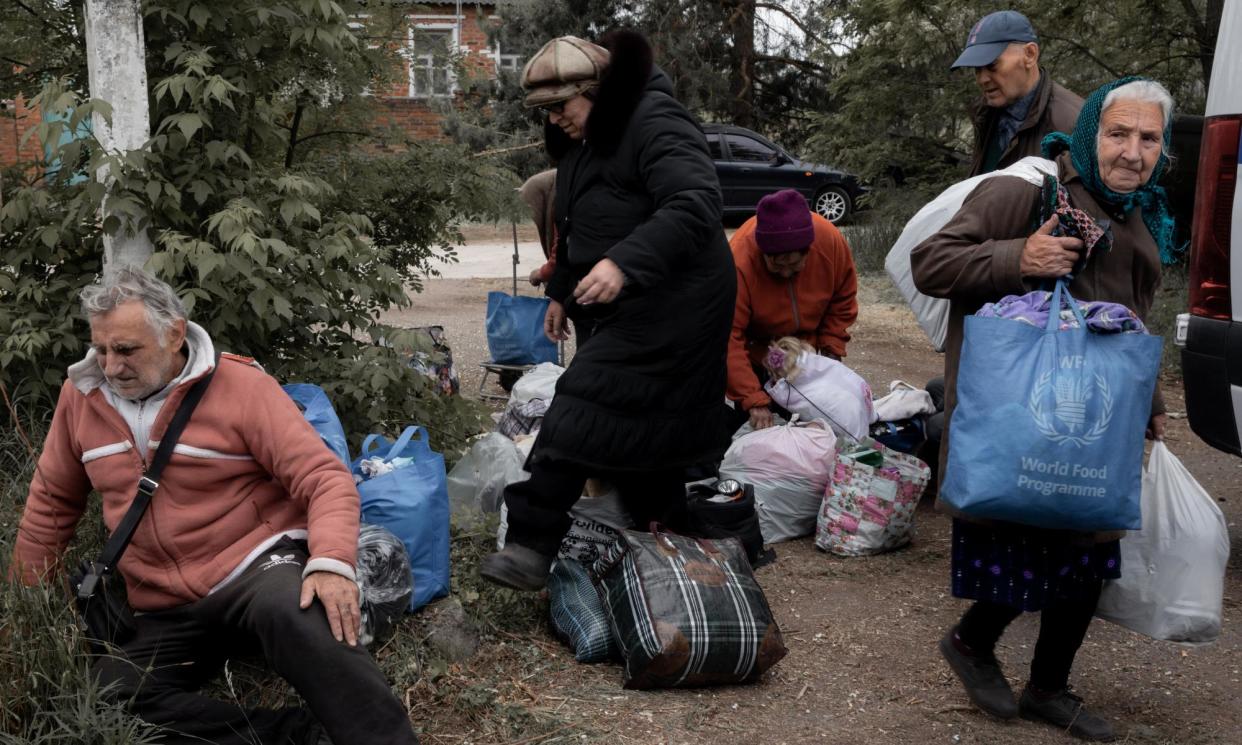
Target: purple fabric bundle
x: 1033, y: 307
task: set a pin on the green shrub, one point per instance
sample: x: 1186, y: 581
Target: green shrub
x: 285, y: 241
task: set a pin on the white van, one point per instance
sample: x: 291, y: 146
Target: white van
x: 1211, y: 333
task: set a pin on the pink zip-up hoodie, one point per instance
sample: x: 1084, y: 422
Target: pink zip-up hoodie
x: 248, y: 470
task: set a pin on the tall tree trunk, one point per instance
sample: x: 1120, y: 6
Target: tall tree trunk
x: 740, y: 22
x: 1207, y: 45
x: 116, y: 62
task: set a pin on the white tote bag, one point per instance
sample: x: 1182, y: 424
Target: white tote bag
x: 933, y: 313
x: 1173, y: 570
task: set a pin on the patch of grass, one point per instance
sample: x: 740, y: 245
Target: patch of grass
x: 50, y: 695
x: 872, y: 232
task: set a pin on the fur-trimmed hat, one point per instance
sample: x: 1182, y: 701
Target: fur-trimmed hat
x: 562, y: 69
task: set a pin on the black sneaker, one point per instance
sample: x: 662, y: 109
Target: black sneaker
x: 1065, y: 710
x: 517, y: 567
x: 982, y: 678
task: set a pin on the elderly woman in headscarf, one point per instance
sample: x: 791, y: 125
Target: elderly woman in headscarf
x: 644, y: 271
x: 1110, y: 230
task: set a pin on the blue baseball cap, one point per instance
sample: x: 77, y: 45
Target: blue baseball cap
x: 991, y: 35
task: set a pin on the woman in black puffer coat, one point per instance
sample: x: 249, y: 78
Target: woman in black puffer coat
x: 644, y: 271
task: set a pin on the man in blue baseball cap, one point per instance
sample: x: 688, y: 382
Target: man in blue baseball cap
x: 1020, y: 102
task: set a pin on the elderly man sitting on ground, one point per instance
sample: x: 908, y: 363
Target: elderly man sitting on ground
x: 249, y: 541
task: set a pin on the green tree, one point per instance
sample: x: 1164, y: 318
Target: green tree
x: 286, y: 240
x: 897, y: 105
x: 729, y: 61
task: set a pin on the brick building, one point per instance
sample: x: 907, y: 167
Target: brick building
x: 443, y: 40
x: 16, y: 118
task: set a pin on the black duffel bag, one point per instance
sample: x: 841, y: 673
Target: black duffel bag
x: 726, y: 510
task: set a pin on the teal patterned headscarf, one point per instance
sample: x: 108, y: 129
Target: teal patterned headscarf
x: 1083, y: 153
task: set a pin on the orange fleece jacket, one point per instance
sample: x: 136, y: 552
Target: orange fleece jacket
x: 247, y: 467
x: 817, y: 305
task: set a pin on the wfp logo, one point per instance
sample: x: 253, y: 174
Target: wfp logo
x: 1075, y: 409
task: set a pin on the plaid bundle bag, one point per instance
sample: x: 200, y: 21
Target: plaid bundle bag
x: 577, y: 614
x: 686, y: 611
x: 869, y: 510
x: 522, y: 418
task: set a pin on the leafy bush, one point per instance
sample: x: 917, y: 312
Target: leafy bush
x: 283, y: 244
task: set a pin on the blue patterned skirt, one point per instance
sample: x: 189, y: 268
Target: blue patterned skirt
x: 1028, y: 568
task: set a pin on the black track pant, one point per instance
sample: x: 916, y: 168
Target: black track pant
x: 176, y: 651
x: 1062, y: 628
x: 538, y: 507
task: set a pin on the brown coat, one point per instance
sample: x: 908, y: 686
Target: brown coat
x: 974, y: 259
x: 1055, y: 109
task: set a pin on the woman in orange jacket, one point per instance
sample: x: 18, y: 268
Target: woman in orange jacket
x: 795, y: 277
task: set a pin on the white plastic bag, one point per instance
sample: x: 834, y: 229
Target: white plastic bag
x: 933, y: 313
x: 827, y: 390
x: 1173, y: 570
x: 538, y: 382
x: 477, y: 483
x: 789, y: 467
x: 903, y: 402
x: 524, y: 444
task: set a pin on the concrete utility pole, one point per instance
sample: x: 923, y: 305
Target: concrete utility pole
x: 116, y: 60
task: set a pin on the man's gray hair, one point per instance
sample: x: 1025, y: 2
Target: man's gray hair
x: 1146, y: 91
x: 132, y: 283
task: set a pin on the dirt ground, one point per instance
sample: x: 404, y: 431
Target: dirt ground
x: 862, y: 666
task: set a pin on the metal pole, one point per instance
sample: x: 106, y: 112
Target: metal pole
x: 516, y: 261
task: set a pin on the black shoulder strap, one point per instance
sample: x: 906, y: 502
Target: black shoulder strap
x: 150, y: 481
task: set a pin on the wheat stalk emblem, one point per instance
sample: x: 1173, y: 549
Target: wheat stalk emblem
x: 1071, y: 396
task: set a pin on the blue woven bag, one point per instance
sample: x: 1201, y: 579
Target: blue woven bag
x: 411, y: 501
x: 515, y: 330
x: 317, y: 408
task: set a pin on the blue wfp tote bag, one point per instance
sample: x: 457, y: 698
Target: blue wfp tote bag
x: 1048, y: 429
x: 411, y: 501
x: 515, y: 330
x: 317, y: 408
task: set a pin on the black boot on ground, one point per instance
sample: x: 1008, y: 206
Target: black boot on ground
x: 1065, y: 710
x: 982, y: 678
x: 517, y: 567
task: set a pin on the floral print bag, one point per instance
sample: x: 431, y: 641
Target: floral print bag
x: 869, y: 509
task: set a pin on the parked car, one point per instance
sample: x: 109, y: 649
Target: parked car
x: 1211, y: 333
x: 750, y: 166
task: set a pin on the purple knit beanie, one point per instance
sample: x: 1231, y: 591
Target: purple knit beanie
x: 783, y: 223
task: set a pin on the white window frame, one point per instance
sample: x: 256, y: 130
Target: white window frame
x: 412, y: 58
x: 500, y: 58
